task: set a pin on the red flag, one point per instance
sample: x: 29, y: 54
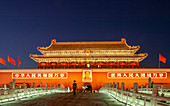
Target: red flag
x: 11, y: 60
x: 2, y: 61
x: 19, y: 62
x: 161, y: 58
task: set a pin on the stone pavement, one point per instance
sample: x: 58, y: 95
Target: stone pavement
x: 68, y: 99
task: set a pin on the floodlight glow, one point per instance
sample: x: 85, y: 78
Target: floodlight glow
x: 20, y: 97
x: 4, y: 100
x: 11, y: 99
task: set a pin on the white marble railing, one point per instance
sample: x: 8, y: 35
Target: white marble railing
x: 135, y: 99
x: 17, y: 94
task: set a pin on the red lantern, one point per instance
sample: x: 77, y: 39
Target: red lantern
x: 74, y: 64
x: 100, y: 63
x: 122, y: 63
x: 53, y: 64
x: 132, y: 63
x: 64, y: 64
x: 110, y: 64
x: 43, y: 64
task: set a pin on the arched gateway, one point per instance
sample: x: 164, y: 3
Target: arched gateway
x: 91, y: 64
x: 87, y: 86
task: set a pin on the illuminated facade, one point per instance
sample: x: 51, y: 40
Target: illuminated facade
x: 96, y: 77
x: 88, y: 55
x: 89, y: 63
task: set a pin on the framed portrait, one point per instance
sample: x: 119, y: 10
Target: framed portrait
x: 87, y: 76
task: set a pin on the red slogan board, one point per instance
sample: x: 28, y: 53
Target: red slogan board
x: 137, y: 75
x: 40, y: 75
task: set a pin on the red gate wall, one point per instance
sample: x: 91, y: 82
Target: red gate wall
x: 98, y: 80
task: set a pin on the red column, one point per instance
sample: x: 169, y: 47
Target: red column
x: 106, y: 64
x: 116, y: 63
x: 38, y: 65
x: 79, y: 64
x: 138, y: 64
x: 48, y: 65
x: 69, y: 64
x: 127, y: 63
x: 94, y: 64
x: 58, y: 64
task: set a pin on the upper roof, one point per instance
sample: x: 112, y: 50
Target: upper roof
x: 88, y: 56
x: 121, y: 45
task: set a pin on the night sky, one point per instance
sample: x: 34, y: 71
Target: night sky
x: 28, y: 24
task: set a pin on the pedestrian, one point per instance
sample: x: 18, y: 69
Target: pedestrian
x: 74, y: 87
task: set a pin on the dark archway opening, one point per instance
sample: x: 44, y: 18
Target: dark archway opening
x: 87, y: 87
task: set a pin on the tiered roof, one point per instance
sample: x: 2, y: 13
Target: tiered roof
x: 88, y: 46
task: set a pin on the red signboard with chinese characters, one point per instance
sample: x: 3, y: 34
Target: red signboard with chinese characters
x: 40, y: 75
x: 136, y: 75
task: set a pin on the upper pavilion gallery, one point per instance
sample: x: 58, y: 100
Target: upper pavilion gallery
x: 89, y: 55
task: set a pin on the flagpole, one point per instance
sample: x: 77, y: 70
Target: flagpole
x: 18, y: 62
x: 8, y: 64
x: 159, y: 60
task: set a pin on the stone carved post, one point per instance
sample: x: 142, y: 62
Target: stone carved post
x: 24, y: 85
x: 141, y: 87
x: 33, y: 84
x: 110, y: 84
x: 46, y: 85
x: 5, y: 87
x: 155, y: 90
x: 135, y: 87
x: 113, y: 84
x: 54, y: 85
x: 13, y: 83
x: 51, y: 86
x: 123, y: 86
x: 135, y: 90
x: 10, y: 85
x: 149, y: 82
x: 154, y: 93
x: 162, y: 86
x: 117, y: 85
x: 41, y: 85
x: 162, y: 90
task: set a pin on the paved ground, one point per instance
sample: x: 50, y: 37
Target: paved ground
x: 68, y: 99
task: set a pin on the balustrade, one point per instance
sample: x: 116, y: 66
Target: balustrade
x: 137, y: 96
x: 17, y: 94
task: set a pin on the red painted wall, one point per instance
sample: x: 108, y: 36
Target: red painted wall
x: 98, y: 80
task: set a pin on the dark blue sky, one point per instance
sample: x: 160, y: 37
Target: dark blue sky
x: 27, y: 24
